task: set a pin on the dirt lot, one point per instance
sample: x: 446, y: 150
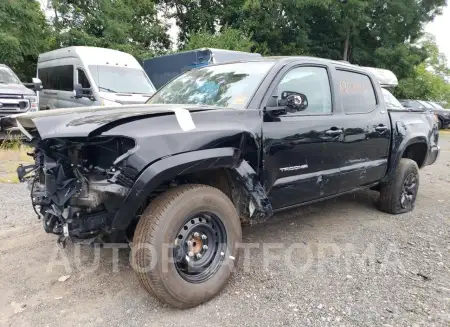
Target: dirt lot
x: 336, y: 263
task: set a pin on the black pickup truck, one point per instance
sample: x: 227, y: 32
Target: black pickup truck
x: 216, y: 147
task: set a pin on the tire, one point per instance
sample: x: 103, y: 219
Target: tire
x: 440, y: 124
x: 393, y: 198
x: 164, y: 222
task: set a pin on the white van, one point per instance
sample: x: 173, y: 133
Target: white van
x: 89, y: 76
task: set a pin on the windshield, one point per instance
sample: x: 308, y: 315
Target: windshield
x: 121, y: 79
x: 412, y: 104
x: 425, y: 104
x: 7, y: 76
x: 435, y: 105
x: 391, y: 101
x: 226, y: 85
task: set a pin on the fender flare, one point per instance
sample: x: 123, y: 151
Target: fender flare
x: 167, y: 169
x: 399, y: 150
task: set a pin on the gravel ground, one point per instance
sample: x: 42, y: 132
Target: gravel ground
x: 335, y: 263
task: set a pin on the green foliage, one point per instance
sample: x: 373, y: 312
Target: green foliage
x: 24, y: 33
x: 424, y: 85
x: 228, y: 39
x: 381, y: 33
x: 127, y: 25
x: 430, y: 79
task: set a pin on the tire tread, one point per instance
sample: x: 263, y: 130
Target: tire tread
x: 146, y: 228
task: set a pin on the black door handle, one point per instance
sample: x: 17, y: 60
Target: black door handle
x: 334, y: 132
x: 381, y: 128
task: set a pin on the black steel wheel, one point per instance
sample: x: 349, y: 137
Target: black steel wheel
x: 399, y: 194
x: 184, y: 246
x: 200, y: 248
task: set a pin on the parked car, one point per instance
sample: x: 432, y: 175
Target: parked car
x: 89, y: 76
x: 15, y: 97
x: 442, y: 115
x: 164, y: 68
x: 217, y: 146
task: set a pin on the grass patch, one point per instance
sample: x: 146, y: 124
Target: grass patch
x: 10, y: 159
x: 11, y: 141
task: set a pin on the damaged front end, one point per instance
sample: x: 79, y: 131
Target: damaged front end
x: 77, y: 185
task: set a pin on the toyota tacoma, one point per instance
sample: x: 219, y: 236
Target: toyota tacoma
x: 216, y: 147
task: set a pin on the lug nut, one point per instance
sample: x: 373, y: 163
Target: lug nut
x: 196, y: 234
x: 204, y: 237
x: 205, y: 247
x: 199, y: 256
x: 191, y: 254
x: 189, y: 243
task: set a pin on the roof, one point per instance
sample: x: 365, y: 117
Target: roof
x: 385, y: 77
x: 92, y: 56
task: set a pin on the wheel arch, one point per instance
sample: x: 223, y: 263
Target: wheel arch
x: 221, y: 162
x: 413, y: 147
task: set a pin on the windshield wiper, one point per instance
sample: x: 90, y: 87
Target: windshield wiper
x: 106, y: 89
x: 146, y: 93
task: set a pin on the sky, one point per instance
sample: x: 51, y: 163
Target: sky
x: 440, y: 28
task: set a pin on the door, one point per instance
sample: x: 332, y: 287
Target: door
x: 300, y: 148
x: 367, y: 130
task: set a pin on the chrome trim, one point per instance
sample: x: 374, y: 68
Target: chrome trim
x: 12, y: 105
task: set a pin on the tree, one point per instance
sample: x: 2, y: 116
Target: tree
x: 132, y: 26
x: 24, y: 33
x: 352, y: 30
x: 430, y: 79
x: 228, y: 39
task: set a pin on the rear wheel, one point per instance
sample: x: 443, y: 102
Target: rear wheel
x: 184, y: 246
x: 399, y: 194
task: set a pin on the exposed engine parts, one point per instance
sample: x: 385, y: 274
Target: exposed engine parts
x: 76, y: 187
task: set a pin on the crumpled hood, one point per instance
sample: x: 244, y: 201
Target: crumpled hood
x: 86, y: 121
x: 15, y: 89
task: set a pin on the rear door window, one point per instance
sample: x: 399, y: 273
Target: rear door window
x: 356, y: 91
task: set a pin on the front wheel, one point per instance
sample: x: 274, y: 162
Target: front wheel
x: 399, y: 194
x: 184, y: 246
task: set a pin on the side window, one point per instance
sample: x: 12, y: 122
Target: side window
x: 82, y: 79
x: 43, y: 76
x: 357, y: 93
x: 65, y: 78
x: 314, y: 83
x: 48, y: 78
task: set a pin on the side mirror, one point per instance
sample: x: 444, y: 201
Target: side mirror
x: 37, y: 84
x: 297, y: 102
x: 290, y: 102
x: 293, y: 100
x: 80, y: 92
